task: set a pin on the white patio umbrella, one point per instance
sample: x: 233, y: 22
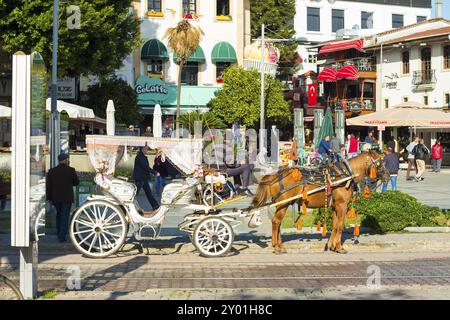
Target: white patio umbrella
x: 157, y: 122
x: 5, y: 112
x: 110, y: 119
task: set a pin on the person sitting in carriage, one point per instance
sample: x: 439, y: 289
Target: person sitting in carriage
x: 325, y: 149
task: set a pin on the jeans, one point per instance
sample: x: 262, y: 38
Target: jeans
x: 62, y: 219
x: 160, y: 183
x: 436, y: 164
x: 393, y: 184
x: 145, y: 184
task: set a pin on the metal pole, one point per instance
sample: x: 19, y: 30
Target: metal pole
x: 262, y: 142
x: 54, y: 126
x: 380, y: 133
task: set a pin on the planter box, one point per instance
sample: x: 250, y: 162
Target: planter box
x: 5, y: 188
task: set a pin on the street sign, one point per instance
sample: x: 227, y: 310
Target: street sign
x: 381, y: 128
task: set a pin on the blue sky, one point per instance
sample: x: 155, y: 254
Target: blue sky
x: 446, y: 9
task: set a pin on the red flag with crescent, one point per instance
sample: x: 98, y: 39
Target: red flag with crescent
x: 312, y: 94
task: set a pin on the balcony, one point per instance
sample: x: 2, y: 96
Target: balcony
x: 353, y: 105
x: 424, y: 80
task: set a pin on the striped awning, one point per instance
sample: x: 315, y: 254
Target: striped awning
x: 197, y: 56
x: 223, y: 52
x: 348, y: 72
x: 327, y: 75
x: 154, y: 50
x: 357, y: 44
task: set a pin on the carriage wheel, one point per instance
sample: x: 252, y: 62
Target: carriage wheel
x: 98, y: 229
x: 39, y: 226
x: 213, y: 237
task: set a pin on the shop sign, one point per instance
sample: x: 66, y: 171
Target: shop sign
x: 284, y: 152
x: 391, y: 81
x: 66, y: 88
x: 153, y: 90
x: 381, y: 128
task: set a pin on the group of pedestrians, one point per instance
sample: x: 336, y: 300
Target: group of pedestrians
x: 417, y: 154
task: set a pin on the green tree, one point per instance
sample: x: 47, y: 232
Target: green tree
x: 123, y: 96
x: 108, y: 33
x: 208, y: 120
x: 278, y: 17
x: 239, y: 99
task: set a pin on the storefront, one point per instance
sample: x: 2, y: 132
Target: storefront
x: 152, y: 91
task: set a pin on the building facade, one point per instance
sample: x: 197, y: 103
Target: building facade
x: 152, y: 69
x: 415, y: 67
x: 323, y: 20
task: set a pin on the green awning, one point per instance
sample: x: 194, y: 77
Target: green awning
x: 223, y: 52
x: 197, y: 56
x: 154, y: 50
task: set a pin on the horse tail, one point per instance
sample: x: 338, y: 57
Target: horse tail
x: 262, y: 194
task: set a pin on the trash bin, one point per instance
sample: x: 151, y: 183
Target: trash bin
x: 83, y: 191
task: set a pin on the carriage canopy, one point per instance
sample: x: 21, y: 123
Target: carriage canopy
x: 184, y: 154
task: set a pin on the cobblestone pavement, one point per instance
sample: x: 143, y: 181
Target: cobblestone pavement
x: 250, y: 275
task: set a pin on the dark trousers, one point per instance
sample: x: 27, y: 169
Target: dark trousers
x: 62, y: 219
x: 245, y: 170
x: 144, y: 184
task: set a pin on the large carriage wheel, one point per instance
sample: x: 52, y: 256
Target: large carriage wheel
x: 98, y: 229
x: 213, y: 237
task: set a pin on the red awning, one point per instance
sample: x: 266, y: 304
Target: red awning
x: 343, y: 45
x: 327, y: 75
x: 348, y: 72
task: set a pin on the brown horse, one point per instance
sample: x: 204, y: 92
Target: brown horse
x: 341, y: 195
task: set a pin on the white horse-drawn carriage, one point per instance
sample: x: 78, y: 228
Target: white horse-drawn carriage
x: 101, y: 226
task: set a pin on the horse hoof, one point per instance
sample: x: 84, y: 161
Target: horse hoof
x: 341, y: 251
x: 325, y: 249
x: 283, y: 250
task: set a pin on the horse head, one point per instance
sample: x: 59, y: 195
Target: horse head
x: 377, y: 163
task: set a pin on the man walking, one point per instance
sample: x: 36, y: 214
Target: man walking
x: 142, y: 177
x: 392, y: 165
x: 411, y: 158
x: 436, y: 156
x: 420, y: 152
x: 59, y: 192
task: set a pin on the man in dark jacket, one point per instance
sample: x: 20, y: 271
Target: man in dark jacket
x: 392, y: 164
x: 59, y: 192
x: 420, y: 152
x: 142, y: 177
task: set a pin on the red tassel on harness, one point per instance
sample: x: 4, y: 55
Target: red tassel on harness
x: 299, y: 224
x: 373, y: 173
x: 304, y: 209
x: 366, y: 192
x: 324, y: 230
x: 305, y: 195
x: 356, y: 231
x: 351, y: 213
x: 318, y: 226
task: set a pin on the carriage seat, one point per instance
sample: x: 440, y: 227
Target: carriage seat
x: 147, y: 214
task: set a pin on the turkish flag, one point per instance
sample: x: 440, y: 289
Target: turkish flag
x: 312, y: 94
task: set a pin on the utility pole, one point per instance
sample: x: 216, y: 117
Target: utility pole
x: 54, y: 122
x: 262, y: 141
x: 380, y: 132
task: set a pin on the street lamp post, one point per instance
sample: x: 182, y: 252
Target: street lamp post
x: 262, y: 140
x: 380, y: 132
x: 54, y: 122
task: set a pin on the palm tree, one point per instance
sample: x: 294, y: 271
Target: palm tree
x: 183, y: 39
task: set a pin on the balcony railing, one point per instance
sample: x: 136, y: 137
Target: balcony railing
x: 352, y: 104
x: 424, y: 78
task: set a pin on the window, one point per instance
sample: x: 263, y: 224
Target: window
x: 447, y: 57
x: 220, y: 68
x: 405, y: 99
x: 189, y: 7
x: 366, y: 20
x: 405, y: 62
x: 154, y: 5
x: 189, y: 74
x: 312, y: 58
x: 425, y: 100
x: 425, y: 55
x: 447, y: 100
x: 386, y: 103
x: 223, y: 8
x: 337, y: 20
x: 421, y: 18
x: 397, y: 20
x: 155, y: 69
x: 313, y: 19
